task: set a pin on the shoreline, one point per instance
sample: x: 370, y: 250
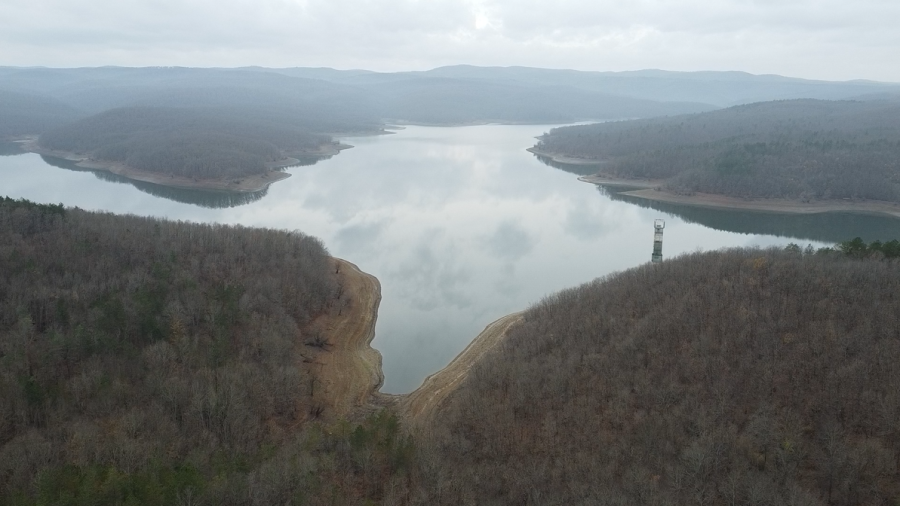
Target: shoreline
x: 648, y: 190
x: 323, y: 150
x: 351, y: 369
x: 405, y: 123
x: 417, y: 406
x: 243, y: 184
x: 566, y: 160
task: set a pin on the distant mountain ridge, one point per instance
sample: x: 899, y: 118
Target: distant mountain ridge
x: 352, y: 97
x: 444, y: 95
x: 720, y: 88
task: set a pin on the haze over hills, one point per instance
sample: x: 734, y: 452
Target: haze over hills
x: 347, y: 99
x: 721, y: 89
x: 350, y: 98
x: 25, y: 113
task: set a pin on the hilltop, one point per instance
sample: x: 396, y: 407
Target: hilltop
x: 741, y: 376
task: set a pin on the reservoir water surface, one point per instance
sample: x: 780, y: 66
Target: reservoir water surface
x: 461, y: 226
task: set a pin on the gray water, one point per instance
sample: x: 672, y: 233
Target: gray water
x: 460, y: 225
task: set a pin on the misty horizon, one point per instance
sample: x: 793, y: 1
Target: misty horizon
x: 637, y: 72
x: 823, y: 40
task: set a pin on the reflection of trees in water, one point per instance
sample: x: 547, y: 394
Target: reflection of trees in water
x: 581, y: 170
x: 62, y: 163
x: 203, y: 198
x: 822, y: 227
x: 10, y: 149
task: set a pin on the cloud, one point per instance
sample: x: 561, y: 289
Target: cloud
x: 432, y: 274
x: 510, y: 241
x: 807, y: 38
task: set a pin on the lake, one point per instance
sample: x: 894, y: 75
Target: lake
x: 461, y: 226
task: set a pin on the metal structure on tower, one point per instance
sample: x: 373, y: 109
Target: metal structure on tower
x: 658, y: 227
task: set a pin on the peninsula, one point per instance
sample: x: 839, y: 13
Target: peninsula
x: 790, y: 156
x: 216, y: 149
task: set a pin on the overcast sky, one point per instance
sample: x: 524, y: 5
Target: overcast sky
x: 823, y: 39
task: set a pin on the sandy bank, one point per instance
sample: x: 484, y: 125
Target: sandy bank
x: 568, y: 160
x: 418, y: 406
x: 351, y: 369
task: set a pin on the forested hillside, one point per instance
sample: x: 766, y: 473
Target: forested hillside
x: 799, y: 149
x: 189, y: 142
x: 25, y: 114
x: 734, y: 377
x: 144, y: 361
x: 331, y: 106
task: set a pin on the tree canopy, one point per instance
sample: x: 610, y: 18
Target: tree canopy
x: 737, y: 377
x: 189, y: 142
x: 798, y: 149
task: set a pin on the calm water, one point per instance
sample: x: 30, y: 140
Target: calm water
x: 460, y: 225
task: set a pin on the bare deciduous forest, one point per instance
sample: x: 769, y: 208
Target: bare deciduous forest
x: 737, y: 377
x: 145, y: 361
x: 797, y: 149
x: 189, y: 142
x: 23, y: 114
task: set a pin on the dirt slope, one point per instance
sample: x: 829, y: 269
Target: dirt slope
x: 416, y: 407
x: 350, y: 370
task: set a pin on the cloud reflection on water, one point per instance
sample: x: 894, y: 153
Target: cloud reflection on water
x: 460, y: 225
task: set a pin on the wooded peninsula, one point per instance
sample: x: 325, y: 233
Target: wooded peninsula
x: 197, y: 147
x: 799, y: 150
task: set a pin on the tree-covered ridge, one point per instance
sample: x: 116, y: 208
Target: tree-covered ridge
x: 145, y: 361
x: 458, y: 101
x: 798, y: 149
x: 201, y: 143
x: 735, y: 377
x: 27, y: 114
